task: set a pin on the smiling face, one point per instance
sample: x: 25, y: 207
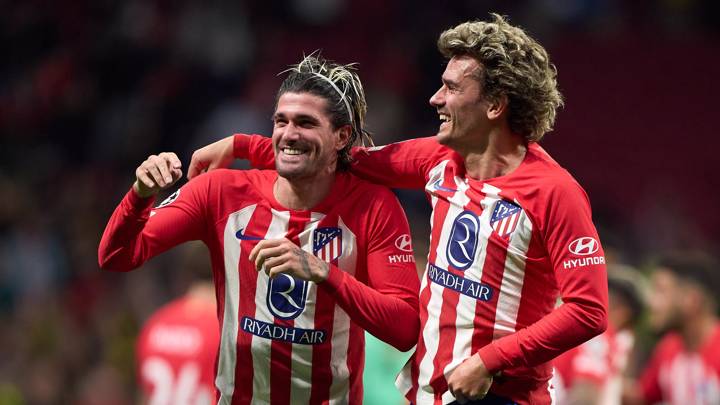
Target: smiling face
x: 460, y: 103
x: 305, y: 142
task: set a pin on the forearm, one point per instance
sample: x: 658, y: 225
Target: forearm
x: 120, y: 246
x: 391, y: 318
x: 564, y: 328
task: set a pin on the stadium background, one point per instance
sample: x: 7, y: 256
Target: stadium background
x: 88, y: 89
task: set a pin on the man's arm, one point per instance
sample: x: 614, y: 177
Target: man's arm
x: 398, y: 165
x: 133, y: 235
x: 583, y: 287
x: 387, y: 306
x: 582, y: 316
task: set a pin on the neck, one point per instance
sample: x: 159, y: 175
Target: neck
x: 302, y: 193
x: 697, y: 331
x: 502, y: 153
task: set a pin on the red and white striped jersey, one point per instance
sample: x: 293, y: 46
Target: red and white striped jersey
x: 285, y: 340
x: 176, y: 352
x: 678, y: 376
x: 501, y: 251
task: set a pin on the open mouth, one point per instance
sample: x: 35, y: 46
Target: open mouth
x: 444, y: 119
x: 292, y: 151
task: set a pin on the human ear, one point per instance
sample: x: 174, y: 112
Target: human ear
x: 343, y: 137
x: 496, y: 108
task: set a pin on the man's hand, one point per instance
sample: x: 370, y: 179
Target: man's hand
x: 282, y: 256
x: 157, y: 173
x: 214, y: 156
x: 470, y: 381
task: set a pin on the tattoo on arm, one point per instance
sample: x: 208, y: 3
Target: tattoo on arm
x: 304, y: 262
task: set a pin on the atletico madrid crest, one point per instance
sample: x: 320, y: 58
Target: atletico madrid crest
x: 505, y: 218
x: 327, y: 243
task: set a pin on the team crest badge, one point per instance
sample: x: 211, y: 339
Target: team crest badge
x: 505, y: 218
x: 327, y: 243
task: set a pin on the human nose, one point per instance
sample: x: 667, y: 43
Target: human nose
x: 438, y: 99
x: 290, y: 131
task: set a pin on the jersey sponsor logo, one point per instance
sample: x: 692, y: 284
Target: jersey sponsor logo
x: 473, y: 289
x: 172, y: 197
x: 584, y: 246
x: 437, y: 185
x: 404, y: 243
x: 284, y: 333
x: 409, y: 258
x: 505, y: 218
x: 327, y: 243
x: 583, y: 261
x: 463, y: 240
x: 242, y: 236
x: 286, y: 296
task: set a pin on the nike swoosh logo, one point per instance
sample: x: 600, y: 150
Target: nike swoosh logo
x: 440, y: 187
x: 240, y: 235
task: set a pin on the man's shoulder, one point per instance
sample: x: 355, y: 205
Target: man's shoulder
x: 547, y: 170
x: 235, y: 178
x: 365, y: 190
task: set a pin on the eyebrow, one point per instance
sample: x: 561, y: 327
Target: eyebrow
x: 449, y: 82
x: 297, y: 117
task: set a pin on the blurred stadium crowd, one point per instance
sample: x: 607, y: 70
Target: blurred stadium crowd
x: 89, y: 89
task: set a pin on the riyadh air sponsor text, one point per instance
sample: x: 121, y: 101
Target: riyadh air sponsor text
x: 284, y: 333
x: 471, y: 288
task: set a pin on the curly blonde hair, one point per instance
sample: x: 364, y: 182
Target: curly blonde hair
x: 513, y: 65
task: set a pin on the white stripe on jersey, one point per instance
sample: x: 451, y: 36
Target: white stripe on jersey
x: 260, y: 347
x: 513, y: 278
x: 227, y: 358
x: 430, y: 333
x: 301, y: 365
x: 465, y: 319
x: 340, y: 388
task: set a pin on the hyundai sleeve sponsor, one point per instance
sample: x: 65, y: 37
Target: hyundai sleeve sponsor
x: 404, y: 243
x: 584, y: 246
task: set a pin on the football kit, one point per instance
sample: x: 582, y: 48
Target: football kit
x: 501, y: 251
x: 285, y: 340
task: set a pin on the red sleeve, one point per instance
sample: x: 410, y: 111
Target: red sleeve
x: 398, y: 165
x: 388, y: 306
x: 257, y: 149
x: 581, y: 276
x: 135, y: 234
